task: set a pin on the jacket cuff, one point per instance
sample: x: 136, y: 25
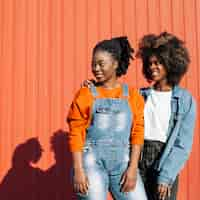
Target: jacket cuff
x: 164, y: 179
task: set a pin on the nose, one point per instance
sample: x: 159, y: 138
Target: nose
x: 153, y: 65
x: 95, y: 68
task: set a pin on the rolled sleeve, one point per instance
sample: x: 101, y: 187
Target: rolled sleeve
x: 181, y: 149
x: 137, y: 105
x: 78, y: 118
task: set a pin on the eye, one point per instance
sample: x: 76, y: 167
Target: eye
x: 155, y: 63
x: 101, y: 64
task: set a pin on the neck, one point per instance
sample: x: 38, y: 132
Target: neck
x: 162, y: 86
x: 111, y: 84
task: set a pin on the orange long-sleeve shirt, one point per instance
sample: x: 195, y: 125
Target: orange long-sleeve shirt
x: 79, y: 115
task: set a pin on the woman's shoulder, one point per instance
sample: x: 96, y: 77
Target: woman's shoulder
x: 135, y: 93
x: 83, y: 94
x: 133, y: 90
x: 186, y: 99
x: 144, y: 90
x: 182, y: 93
x: 83, y: 91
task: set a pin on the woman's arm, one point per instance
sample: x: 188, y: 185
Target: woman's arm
x: 77, y: 119
x: 182, y: 145
x: 80, y: 180
x: 129, y: 177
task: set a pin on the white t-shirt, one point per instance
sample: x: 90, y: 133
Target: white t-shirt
x: 157, y: 114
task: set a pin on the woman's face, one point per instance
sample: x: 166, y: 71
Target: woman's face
x: 157, y: 71
x: 104, y: 66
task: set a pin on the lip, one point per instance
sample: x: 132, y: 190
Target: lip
x: 98, y: 75
x: 155, y: 73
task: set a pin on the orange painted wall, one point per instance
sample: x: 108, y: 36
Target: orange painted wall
x: 45, y: 51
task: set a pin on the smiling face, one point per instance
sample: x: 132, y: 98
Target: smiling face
x: 157, y: 71
x: 104, y: 67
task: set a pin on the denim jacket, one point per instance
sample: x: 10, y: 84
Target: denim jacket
x: 180, y: 131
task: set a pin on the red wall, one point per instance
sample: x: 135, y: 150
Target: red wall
x: 45, y: 51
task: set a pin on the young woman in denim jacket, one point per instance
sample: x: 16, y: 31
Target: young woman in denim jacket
x: 169, y: 114
x: 107, y: 129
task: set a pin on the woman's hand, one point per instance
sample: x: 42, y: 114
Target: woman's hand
x: 128, y: 180
x: 164, y: 191
x: 88, y: 83
x: 80, y: 181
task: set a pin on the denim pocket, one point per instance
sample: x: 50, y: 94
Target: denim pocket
x: 102, y: 120
x: 179, y: 143
x: 108, y: 109
x: 122, y: 157
x: 89, y: 157
x: 80, y: 195
x: 178, y: 116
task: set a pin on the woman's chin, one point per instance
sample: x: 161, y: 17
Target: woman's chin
x: 100, y: 80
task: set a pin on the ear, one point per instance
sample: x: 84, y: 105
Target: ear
x: 115, y: 64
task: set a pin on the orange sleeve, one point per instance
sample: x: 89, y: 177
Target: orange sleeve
x: 78, y: 119
x: 137, y: 105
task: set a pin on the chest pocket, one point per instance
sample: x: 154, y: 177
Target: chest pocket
x: 107, y: 110
x: 113, y: 118
x: 177, y: 109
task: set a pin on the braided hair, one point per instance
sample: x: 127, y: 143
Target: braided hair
x: 121, y: 51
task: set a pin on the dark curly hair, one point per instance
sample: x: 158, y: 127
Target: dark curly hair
x: 170, y: 52
x: 121, y: 51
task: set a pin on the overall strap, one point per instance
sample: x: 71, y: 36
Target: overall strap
x: 125, y: 91
x: 93, y: 90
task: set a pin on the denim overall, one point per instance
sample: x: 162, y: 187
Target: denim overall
x: 107, y: 149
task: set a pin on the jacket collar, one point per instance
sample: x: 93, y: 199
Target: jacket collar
x: 176, y: 92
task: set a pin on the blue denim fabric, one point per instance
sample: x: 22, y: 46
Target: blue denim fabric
x: 107, y: 149
x: 180, y: 131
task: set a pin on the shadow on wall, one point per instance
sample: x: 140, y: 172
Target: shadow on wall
x: 58, y: 184
x: 23, y: 181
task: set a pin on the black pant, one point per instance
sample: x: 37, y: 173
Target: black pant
x: 152, y: 152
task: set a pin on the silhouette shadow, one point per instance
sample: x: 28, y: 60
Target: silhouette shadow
x: 23, y: 181
x: 58, y: 184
